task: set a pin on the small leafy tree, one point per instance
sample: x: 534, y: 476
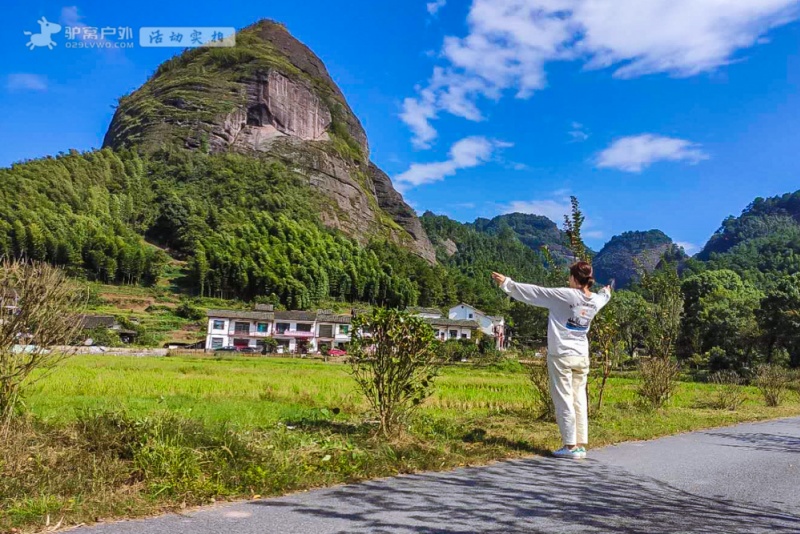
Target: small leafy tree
x: 572, y: 227
x: 270, y: 345
x: 606, y: 343
x: 39, y: 314
x: 662, y: 290
x: 394, y: 363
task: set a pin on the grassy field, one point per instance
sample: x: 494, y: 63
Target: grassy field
x: 116, y: 436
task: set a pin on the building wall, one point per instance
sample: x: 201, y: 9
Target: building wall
x: 227, y: 332
x: 467, y: 313
x: 443, y: 332
x: 311, y: 342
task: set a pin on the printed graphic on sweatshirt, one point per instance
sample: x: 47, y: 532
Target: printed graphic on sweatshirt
x: 582, y: 316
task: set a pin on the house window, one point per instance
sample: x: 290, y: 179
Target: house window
x: 216, y: 342
x: 242, y: 328
x: 263, y: 327
x: 218, y: 324
x: 344, y: 329
x: 453, y: 334
x: 470, y: 316
x: 237, y: 342
x: 281, y: 327
x: 326, y: 330
x: 464, y: 336
x: 304, y: 328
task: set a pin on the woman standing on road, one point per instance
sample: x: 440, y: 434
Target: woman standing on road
x: 571, y: 312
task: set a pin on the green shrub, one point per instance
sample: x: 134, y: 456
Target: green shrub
x: 393, y: 363
x: 773, y: 382
x: 540, y: 382
x: 659, y: 380
x: 729, y: 394
x: 456, y: 350
x: 189, y: 310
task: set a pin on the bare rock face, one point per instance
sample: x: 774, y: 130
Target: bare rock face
x: 392, y: 203
x: 450, y: 246
x: 271, y: 96
x: 276, y: 106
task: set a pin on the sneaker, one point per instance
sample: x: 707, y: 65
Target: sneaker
x: 565, y: 452
x: 581, y: 452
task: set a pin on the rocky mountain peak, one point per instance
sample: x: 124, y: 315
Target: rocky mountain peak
x: 271, y: 96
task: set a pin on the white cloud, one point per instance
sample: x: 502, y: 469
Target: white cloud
x: 70, y: 16
x: 509, y: 43
x: 552, y: 209
x: 435, y: 6
x: 689, y: 248
x: 635, y: 153
x: 26, y: 82
x: 464, y: 154
x: 578, y: 133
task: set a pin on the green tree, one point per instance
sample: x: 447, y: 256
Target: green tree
x: 719, y: 311
x: 661, y: 289
x: 779, y: 318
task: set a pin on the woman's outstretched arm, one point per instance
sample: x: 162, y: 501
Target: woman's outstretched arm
x: 534, y: 295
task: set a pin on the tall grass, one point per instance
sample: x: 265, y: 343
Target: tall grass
x: 121, y: 436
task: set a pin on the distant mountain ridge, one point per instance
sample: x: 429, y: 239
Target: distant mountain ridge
x: 762, y: 218
x: 534, y: 231
x: 626, y: 254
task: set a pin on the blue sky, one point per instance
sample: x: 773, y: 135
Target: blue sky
x: 669, y: 114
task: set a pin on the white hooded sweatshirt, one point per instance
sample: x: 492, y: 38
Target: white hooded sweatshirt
x: 571, y: 314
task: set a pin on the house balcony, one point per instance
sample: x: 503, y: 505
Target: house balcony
x: 298, y: 334
x: 251, y: 333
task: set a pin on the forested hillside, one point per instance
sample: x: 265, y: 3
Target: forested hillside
x: 86, y: 212
x: 761, y: 245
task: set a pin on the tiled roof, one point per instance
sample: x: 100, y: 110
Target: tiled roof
x: 89, y: 322
x: 295, y: 315
x: 242, y: 314
x: 451, y: 322
x: 430, y: 311
x: 476, y: 310
x: 333, y: 318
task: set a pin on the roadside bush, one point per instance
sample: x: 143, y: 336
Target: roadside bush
x: 456, y: 350
x: 540, y: 382
x: 393, y: 363
x: 39, y: 311
x: 773, y: 382
x: 729, y: 394
x: 102, y: 337
x: 659, y: 379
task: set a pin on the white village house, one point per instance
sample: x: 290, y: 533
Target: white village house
x: 239, y: 328
x: 309, y: 332
x: 491, y: 325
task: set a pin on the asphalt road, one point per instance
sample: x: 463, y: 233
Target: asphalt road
x: 738, y: 479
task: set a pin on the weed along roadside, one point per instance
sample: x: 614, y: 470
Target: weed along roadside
x: 111, y: 437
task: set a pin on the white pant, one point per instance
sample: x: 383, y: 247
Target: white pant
x: 568, y: 388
